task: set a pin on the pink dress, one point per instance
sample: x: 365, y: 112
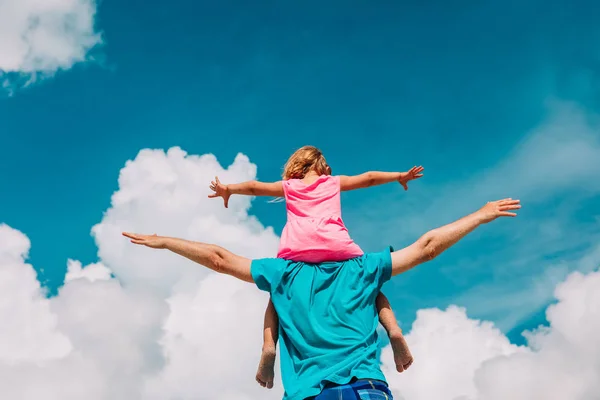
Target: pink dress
x: 314, y: 231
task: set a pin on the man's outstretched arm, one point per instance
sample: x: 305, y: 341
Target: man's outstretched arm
x: 211, y: 256
x: 434, y: 242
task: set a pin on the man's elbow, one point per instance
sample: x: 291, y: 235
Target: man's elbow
x: 253, y: 187
x: 430, y: 248
x: 216, y: 260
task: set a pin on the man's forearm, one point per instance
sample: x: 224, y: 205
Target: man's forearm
x: 436, y: 241
x: 211, y: 256
x: 440, y: 239
x: 200, y: 253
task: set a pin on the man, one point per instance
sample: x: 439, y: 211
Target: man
x: 327, y: 316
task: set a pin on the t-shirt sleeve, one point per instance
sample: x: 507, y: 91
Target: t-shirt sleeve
x: 266, y: 272
x: 379, y: 266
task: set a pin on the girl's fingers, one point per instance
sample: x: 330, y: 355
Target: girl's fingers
x: 508, y: 214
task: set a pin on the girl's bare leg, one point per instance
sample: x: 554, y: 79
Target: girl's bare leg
x: 266, y: 367
x: 402, y: 356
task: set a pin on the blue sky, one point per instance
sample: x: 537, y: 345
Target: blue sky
x: 470, y: 90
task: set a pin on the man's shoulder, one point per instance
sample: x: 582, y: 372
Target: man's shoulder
x: 378, y: 264
x: 267, y: 272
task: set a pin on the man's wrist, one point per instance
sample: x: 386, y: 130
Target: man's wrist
x: 167, y: 242
x: 480, y: 217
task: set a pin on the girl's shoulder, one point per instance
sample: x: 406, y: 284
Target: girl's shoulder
x: 317, y: 181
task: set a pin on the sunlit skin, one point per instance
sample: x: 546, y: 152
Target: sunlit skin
x: 313, y: 166
x: 309, y: 174
x: 426, y: 248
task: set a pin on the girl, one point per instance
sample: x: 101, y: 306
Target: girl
x: 315, y: 233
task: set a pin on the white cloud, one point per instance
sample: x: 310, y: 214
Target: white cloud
x: 169, y: 329
x: 448, y: 348
x: 92, y: 272
x: 28, y: 329
x: 44, y: 36
x: 167, y: 193
x: 460, y: 358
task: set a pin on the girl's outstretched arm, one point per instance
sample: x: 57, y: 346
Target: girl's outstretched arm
x: 249, y: 188
x: 374, y: 178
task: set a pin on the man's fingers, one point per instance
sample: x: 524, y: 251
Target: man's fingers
x: 212, y: 196
x: 131, y: 235
x: 507, y: 201
x: 226, y: 202
x: 135, y: 241
x: 509, y: 207
x: 508, y: 214
x: 217, y: 180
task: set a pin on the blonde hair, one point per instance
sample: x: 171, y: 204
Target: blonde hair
x: 303, y: 161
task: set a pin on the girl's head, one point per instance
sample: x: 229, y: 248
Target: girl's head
x: 305, y: 160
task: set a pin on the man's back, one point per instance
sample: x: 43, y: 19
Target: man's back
x: 327, y: 317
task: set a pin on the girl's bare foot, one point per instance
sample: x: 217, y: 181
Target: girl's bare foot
x: 402, y: 356
x: 266, y: 368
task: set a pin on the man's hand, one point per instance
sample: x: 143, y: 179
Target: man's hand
x: 219, y: 190
x: 153, y: 241
x: 413, y: 173
x: 498, y: 208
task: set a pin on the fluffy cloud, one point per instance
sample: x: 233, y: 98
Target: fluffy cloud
x: 460, y: 358
x: 167, y: 193
x: 92, y: 272
x: 28, y: 331
x: 166, y: 328
x: 44, y: 36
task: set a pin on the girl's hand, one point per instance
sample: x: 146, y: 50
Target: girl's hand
x: 219, y: 190
x: 413, y: 173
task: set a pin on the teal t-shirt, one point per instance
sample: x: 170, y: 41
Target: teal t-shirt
x: 327, y: 319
